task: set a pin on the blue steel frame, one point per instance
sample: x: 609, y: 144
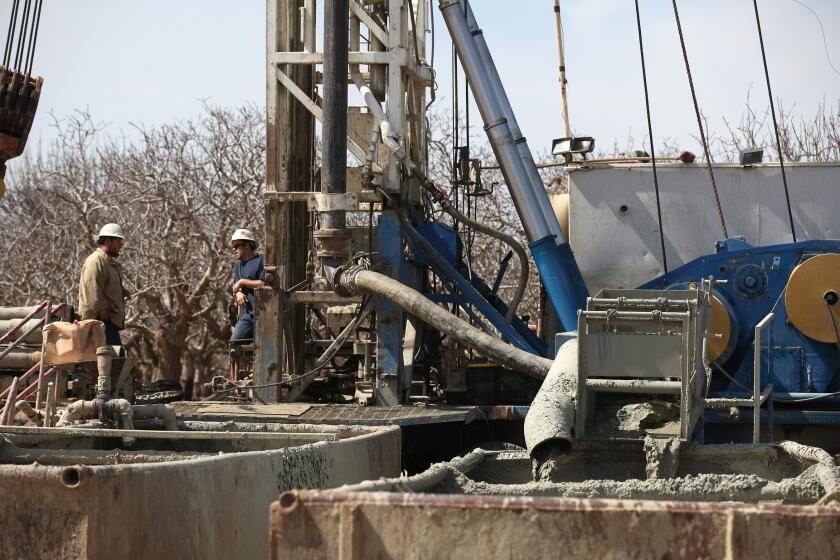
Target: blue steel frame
x: 797, y: 366
x: 472, y: 293
x: 392, y: 378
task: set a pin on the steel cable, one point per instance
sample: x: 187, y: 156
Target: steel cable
x: 775, y: 122
x: 22, y: 35
x: 700, y: 122
x: 650, y: 135
x: 33, y: 36
x: 7, y: 53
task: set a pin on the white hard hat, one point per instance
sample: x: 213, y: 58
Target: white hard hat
x: 111, y: 230
x: 242, y: 235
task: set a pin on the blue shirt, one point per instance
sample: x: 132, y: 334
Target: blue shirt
x: 253, y: 269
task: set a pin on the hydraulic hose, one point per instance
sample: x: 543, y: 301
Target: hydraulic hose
x: 358, y: 279
x: 524, y: 268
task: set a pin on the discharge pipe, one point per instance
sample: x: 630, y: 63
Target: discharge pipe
x: 357, y: 279
x: 549, y: 425
x: 554, y: 259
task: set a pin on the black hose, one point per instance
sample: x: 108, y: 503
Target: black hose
x: 524, y: 265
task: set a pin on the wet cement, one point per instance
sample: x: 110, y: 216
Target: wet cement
x: 804, y: 489
x: 646, y: 415
x: 711, y: 473
x: 662, y: 457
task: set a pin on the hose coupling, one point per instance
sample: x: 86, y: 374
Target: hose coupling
x: 344, y: 279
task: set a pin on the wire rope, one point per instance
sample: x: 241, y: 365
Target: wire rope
x: 775, y: 122
x: 700, y: 122
x: 650, y: 135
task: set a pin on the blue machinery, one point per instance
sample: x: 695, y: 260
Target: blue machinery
x: 796, y: 286
x: 436, y: 246
x: 799, y: 353
x: 793, y: 287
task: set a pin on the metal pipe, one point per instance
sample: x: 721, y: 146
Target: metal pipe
x: 10, y: 326
x: 104, y: 361
x: 356, y: 280
x: 162, y: 411
x: 21, y: 338
x: 496, y: 126
x: 309, y: 26
x: 334, y: 167
x: 380, y: 119
x: 8, y: 313
x: 39, y: 394
x: 535, y: 181
x: 561, y: 57
x: 558, y: 270
x: 49, y: 406
x: 634, y: 386
x: 118, y: 409
x: 22, y: 358
x: 550, y: 422
x: 757, y: 378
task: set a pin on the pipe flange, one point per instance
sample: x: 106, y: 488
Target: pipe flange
x: 333, y: 243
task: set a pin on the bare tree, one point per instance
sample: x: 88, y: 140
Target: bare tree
x: 178, y: 191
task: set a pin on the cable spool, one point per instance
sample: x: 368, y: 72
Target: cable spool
x: 720, y: 325
x: 812, y: 296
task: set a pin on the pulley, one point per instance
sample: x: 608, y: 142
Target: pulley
x: 812, y: 295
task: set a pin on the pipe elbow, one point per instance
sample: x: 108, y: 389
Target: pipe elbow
x: 73, y: 412
x: 162, y: 411
x: 122, y: 412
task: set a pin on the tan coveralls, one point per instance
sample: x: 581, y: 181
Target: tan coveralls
x: 101, y: 289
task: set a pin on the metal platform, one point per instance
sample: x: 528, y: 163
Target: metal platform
x: 326, y: 414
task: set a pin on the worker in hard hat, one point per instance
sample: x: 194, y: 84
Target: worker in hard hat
x: 101, y: 292
x: 248, y: 275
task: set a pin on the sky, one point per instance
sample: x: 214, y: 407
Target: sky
x: 153, y: 62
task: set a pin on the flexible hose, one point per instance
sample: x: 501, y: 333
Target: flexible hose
x: 414, y: 303
x: 524, y: 268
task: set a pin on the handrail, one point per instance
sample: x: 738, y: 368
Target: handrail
x: 757, y: 378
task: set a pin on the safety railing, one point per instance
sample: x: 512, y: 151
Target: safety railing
x: 12, y: 393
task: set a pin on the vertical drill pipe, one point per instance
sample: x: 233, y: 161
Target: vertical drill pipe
x: 558, y: 270
x: 334, y: 167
